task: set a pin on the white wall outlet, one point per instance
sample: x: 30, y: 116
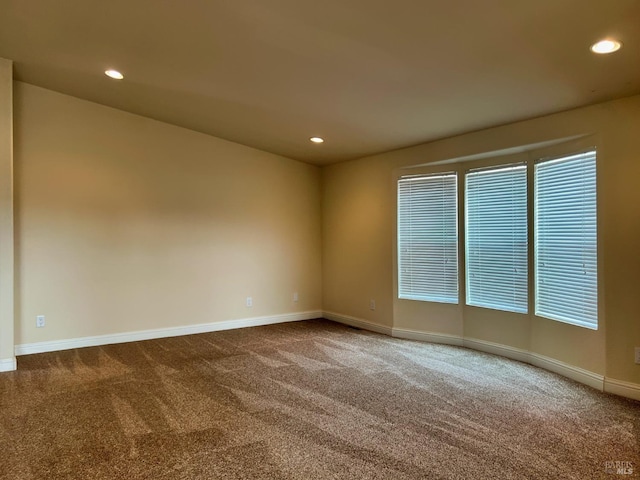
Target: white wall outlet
x: 638, y: 355
x: 40, y: 321
x: 295, y: 296
x: 249, y: 302
x: 372, y: 304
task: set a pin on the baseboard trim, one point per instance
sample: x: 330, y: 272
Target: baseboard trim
x: 578, y: 374
x: 551, y: 364
x: 8, y: 364
x: 431, y: 337
x: 599, y: 382
x: 624, y: 389
x: 498, y: 349
x: 56, y: 345
x: 357, y: 322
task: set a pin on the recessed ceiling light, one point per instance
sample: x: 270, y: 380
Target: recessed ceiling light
x: 114, y: 74
x: 316, y: 139
x: 606, y: 46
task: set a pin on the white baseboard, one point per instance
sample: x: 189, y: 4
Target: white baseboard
x: 574, y: 373
x: 430, y: 337
x: 8, y: 364
x: 357, y: 322
x: 624, y: 389
x: 556, y: 366
x: 594, y: 380
x: 56, y: 345
x: 610, y: 385
x: 498, y: 349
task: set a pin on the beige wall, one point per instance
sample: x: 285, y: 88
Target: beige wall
x: 356, y: 240
x: 7, y: 358
x: 359, y: 223
x: 125, y: 223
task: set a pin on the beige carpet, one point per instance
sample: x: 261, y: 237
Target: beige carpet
x: 306, y: 400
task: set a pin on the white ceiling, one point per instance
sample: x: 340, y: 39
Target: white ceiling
x: 367, y: 75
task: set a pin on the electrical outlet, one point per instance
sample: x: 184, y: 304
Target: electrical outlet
x: 638, y: 355
x: 295, y: 296
x: 40, y: 321
x: 372, y: 304
x: 249, y: 302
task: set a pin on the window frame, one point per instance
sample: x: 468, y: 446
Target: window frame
x: 551, y: 316
x: 467, y: 250
x: 529, y: 154
x: 398, y: 283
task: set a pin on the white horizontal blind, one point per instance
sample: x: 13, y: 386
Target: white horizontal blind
x: 428, y: 238
x: 566, y: 240
x: 496, y: 238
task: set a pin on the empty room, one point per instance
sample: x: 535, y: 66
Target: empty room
x: 299, y: 240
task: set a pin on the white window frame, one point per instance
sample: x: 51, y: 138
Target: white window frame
x: 443, y: 288
x: 499, y: 288
x: 573, y: 309
x: 529, y: 154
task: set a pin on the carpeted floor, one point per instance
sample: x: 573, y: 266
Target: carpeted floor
x: 306, y: 400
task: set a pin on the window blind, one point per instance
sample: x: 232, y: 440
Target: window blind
x: 566, y: 240
x: 496, y: 238
x: 427, y: 238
